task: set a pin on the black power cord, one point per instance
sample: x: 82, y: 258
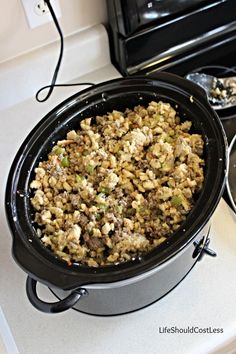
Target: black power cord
x: 54, y: 78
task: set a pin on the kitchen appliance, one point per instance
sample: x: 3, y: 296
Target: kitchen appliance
x: 162, y: 35
x: 132, y: 285
x: 134, y: 15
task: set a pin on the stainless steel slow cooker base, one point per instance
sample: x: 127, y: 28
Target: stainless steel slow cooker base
x: 60, y: 294
x: 138, y: 292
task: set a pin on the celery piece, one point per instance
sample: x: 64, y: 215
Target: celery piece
x: 105, y: 190
x: 98, y: 217
x: 65, y: 162
x: 101, y: 199
x: 168, y: 139
x: 79, y: 178
x: 89, y: 169
x: 58, y: 150
x: 176, y: 200
x: 157, y: 117
x: 102, y: 206
x: 119, y: 209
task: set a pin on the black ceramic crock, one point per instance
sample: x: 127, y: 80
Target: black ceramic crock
x: 169, y: 262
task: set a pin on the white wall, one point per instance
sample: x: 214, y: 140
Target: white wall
x: 17, y: 38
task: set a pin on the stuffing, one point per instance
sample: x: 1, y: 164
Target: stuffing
x: 117, y: 186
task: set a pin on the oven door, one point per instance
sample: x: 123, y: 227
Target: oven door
x: 134, y: 15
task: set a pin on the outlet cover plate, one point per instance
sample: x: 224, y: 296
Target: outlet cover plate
x: 35, y: 20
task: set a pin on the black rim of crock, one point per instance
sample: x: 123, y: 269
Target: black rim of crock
x: 39, y: 262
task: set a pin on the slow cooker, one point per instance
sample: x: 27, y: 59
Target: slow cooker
x: 128, y: 286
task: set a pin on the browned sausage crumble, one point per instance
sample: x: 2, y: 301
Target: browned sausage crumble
x: 118, y: 188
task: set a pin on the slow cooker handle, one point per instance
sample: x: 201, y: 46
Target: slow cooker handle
x: 52, y: 307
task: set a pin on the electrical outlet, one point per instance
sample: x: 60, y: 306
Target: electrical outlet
x: 37, y: 12
x: 41, y: 8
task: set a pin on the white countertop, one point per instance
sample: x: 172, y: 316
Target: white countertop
x: 205, y: 298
